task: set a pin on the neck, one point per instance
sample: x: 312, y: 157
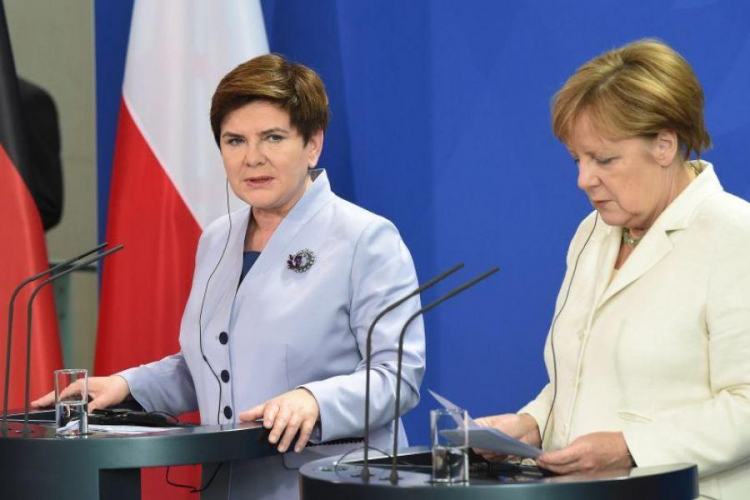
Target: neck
x: 264, y: 222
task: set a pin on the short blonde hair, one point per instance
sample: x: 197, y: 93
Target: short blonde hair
x: 636, y: 90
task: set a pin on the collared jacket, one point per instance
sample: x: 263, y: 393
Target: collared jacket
x: 281, y: 329
x: 660, y: 350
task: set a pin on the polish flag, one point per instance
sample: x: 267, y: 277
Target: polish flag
x: 168, y: 182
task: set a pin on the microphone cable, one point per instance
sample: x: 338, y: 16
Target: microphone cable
x: 193, y: 489
x: 203, y: 302
x: 552, y: 332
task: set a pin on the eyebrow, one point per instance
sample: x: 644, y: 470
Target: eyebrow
x: 274, y: 130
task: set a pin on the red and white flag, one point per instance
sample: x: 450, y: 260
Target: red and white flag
x: 168, y: 182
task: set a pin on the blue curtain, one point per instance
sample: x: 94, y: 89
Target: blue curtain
x: 440, y: 122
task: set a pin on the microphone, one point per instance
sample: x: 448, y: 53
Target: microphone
x: 368, y: 355
x: 36, y: 291
x: 11, y: 307
x: 451, y: 294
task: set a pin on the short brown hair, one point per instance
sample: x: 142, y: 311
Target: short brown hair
x: 636, y: 90
x: 291, y: 86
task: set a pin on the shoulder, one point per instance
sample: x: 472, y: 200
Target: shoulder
x: 358, y: 222
x: 214, y: 236
x: 724, y: 215
x: 589, y: 225
x: 220, y: 226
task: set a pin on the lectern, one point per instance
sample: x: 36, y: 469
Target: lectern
x: 335, y: 479
x: 39, y: 465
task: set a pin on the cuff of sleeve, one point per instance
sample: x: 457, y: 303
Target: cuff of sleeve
x: 133, y: 380
x: 320, y: 391
x: 638, y: 442
x: 538, y: 411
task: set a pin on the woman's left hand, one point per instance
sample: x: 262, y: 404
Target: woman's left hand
x: 590, y: 453
x: 288, y: 413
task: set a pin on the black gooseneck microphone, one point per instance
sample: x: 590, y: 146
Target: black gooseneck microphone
x: 368, y: 356
x: 11, y: 307
x: 449, y: 295
x: 29, y: 315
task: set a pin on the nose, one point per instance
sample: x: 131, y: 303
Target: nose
x: 254, y: 155
x: 587, y: 177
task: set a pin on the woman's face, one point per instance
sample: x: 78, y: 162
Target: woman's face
x: 626, y: 180
x: 266, y: 159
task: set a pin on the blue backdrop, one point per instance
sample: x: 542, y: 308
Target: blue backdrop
x: 440, y: 122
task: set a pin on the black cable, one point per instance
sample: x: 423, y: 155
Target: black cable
x: 203, y: 302
x: 552, y: 332
x: 190, y: 488
x: 193, y: 489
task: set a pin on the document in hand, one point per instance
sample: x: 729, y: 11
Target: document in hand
x: 487, y: 438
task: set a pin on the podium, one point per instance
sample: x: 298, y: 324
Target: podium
x: 323, y: 480
x: 40, y: 465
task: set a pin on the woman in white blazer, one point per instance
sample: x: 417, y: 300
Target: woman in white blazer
x: 649, y: 350
x: 283, y: 293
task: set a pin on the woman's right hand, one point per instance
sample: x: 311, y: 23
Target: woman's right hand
x: 103, y: 393
x: 522, y: 427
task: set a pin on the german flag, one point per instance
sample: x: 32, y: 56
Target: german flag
x: 23, y: 251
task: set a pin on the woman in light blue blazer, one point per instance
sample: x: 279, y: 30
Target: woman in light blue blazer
x: 283, y: 293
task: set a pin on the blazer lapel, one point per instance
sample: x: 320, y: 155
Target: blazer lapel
x: 610, y: 246
x: 224, y: 281
x: 657, y: 243
x: 654, y: 246
x: 278, y: 248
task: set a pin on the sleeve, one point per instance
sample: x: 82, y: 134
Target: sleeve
x: 716, y: 434
x: 539, y: 408
x: 382, y: 272
x: 164, y: 385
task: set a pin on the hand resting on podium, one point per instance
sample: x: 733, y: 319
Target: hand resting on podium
x: 103, y: 393
x: 290, y: 412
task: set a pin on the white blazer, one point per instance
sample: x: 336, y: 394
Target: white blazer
x: 662, y: 352
x: 285, y: 330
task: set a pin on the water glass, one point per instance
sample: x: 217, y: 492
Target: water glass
x: 71, y: 405
x: 450, y: 446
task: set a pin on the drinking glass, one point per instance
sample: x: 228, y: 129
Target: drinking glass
x: 450, y: 446
x: 71, y: 403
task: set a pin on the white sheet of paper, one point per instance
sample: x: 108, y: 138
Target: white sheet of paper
x: 487, y: 438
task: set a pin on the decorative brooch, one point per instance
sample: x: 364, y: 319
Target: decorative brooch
x: 301, y: 261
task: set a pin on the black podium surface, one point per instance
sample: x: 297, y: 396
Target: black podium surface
x: 323, y: 480
x: 40, y: 465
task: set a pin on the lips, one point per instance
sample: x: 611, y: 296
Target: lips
x: 258, y: 180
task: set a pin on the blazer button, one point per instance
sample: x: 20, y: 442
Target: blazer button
x: 227, y: 412
x: 225, y: 377
x: 223, y: 337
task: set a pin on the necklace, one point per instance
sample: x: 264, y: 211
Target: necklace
x: 628, y: 239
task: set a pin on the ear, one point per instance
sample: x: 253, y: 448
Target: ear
x: 314, y: 148
x: 666, y: 147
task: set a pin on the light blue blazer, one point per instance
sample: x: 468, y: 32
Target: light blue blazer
x: 285, y: 329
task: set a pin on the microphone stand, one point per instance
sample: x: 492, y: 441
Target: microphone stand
x: 29, y: 318
x: 366, y: 474
x: 11, y: 307
x: 453, y: 293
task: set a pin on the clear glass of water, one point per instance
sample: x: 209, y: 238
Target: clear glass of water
x: 71, y: 402
x: 450, y: 446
